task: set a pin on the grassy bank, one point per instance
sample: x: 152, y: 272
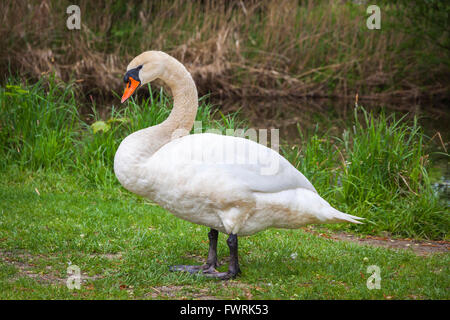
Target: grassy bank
x: 124, y: 246
x: 377, y: 169
x: 237, y: 48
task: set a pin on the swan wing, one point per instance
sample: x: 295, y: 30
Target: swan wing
x: 246, y: 162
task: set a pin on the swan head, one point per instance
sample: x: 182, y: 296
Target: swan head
x: 145, y: 68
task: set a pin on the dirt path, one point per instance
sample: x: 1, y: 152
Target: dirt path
x: 419, y: 247
x: 25, y: 264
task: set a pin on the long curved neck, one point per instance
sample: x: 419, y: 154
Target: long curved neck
x: 181, y: 119
x: 185, y: 98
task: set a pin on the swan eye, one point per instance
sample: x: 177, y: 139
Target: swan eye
x: 132, y: 73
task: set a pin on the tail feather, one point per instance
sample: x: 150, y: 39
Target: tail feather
x: 337, y: 216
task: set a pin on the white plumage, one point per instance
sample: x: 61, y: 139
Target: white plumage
x: 192, y: 177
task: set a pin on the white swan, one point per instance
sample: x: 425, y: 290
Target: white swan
x: 210, y: 179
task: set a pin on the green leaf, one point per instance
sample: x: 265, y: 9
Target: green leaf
x: 100, y: 125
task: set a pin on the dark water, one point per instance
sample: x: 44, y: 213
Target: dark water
x: 330, y: 114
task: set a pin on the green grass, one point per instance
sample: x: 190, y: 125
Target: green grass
x: 40, y: 234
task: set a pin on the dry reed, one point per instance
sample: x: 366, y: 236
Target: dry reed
x: 236, y: 48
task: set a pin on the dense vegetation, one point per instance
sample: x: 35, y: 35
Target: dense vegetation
x: 377, y: 169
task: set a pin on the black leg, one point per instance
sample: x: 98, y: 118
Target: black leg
x: 211, y: 262
x: 209, y: 269
x: 233, y: 267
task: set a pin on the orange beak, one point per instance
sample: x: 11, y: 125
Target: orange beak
x: 130, y: 88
